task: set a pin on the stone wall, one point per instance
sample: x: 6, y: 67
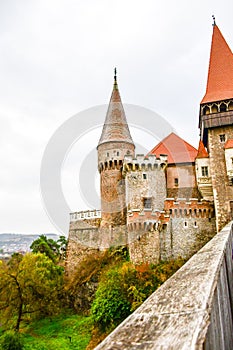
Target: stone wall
x: 223, y: 192
x: 191, y: 225
x: 87, y: 236
x: 186, y: 187
x: 145, y: 179
x: 184, y: 237
x: 83, y: 240
x: 112, y: 183
x: 191, y: 310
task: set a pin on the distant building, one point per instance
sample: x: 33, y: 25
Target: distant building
x: 169, y: 202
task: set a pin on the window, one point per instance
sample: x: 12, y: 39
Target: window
x: 147, y: 203
x: 185, y: 224
x: 144, y: 176
x: 107, y: 154
x: 118, y: 154
x: 222, y: 138
x: 176, y: 181
x: 204, y: 171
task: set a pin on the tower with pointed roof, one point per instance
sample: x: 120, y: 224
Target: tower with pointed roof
x: 216, y: 125
x: 115, y: 142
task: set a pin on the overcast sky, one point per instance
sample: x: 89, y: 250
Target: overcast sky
x: 57, y: 59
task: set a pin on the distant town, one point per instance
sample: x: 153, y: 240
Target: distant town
x: 11, y: 243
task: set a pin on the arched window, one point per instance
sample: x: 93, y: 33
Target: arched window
x: 223, y: 107
x: 214, y: 108
x: 206, y: 110
x: 230, y: 106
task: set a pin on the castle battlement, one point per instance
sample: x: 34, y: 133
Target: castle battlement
x: 142, y: 162
x: 146, y: 220
x: 192, y: 207
x: 87, y: 214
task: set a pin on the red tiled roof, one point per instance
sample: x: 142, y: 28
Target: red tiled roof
x: 177, y: 150
x: 220, y: 75
x: 202, y: 152
x: 229, y: 144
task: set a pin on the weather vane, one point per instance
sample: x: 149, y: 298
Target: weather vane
x: 115, y: 75
x: 213, y: 16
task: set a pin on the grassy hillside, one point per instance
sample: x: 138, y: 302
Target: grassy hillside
x: 58, y: 333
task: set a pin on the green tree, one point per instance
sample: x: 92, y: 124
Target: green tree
x: 29, y: 285
x: 55, y: 250
x: 63, y: 242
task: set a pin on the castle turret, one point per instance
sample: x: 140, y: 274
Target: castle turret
x: 115, y: 142
x: 216, y: 123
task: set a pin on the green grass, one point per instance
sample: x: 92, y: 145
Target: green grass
x: 58, y: 333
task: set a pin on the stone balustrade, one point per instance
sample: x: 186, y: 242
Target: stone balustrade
x: 191, y: 310
x: 87, y: 214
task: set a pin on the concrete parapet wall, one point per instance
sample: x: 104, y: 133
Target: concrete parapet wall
x: 191, y: 310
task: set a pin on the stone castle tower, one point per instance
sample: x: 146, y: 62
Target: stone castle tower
x: 115, y: 142
x: 215, y: 166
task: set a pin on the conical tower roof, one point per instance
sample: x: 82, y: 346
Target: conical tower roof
x: 202, y: 152
x: 220, y: 75
x: 115, y: 127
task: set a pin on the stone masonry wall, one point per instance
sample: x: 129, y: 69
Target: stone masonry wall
x: 144, y: 246
x: 184, y: 237
x: 83, y: 239
x: 145, y: 178
x: 223, y: 192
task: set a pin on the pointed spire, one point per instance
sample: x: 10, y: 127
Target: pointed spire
x: 202, y: 152
x: 220, y: 75
x: 115, y: 78
x: 115, y: 127
x: 214, y: 23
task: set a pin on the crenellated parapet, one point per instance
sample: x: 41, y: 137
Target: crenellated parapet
x: 144, y: 163
x: 110, y: 164
x: 191, y: 208
x: 146, y: 220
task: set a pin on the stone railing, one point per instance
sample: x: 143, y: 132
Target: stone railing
x: 191, y: 310
x: 87, y: 214
x: 204, y: 180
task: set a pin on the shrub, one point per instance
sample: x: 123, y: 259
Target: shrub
x: 110, y: 305
x: 11, y: 341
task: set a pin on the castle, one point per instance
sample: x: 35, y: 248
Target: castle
x: 171, y: 201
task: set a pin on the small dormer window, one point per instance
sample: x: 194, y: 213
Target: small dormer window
x: 176, y: 181
x: 204, y: 171
x: 222, y: 138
